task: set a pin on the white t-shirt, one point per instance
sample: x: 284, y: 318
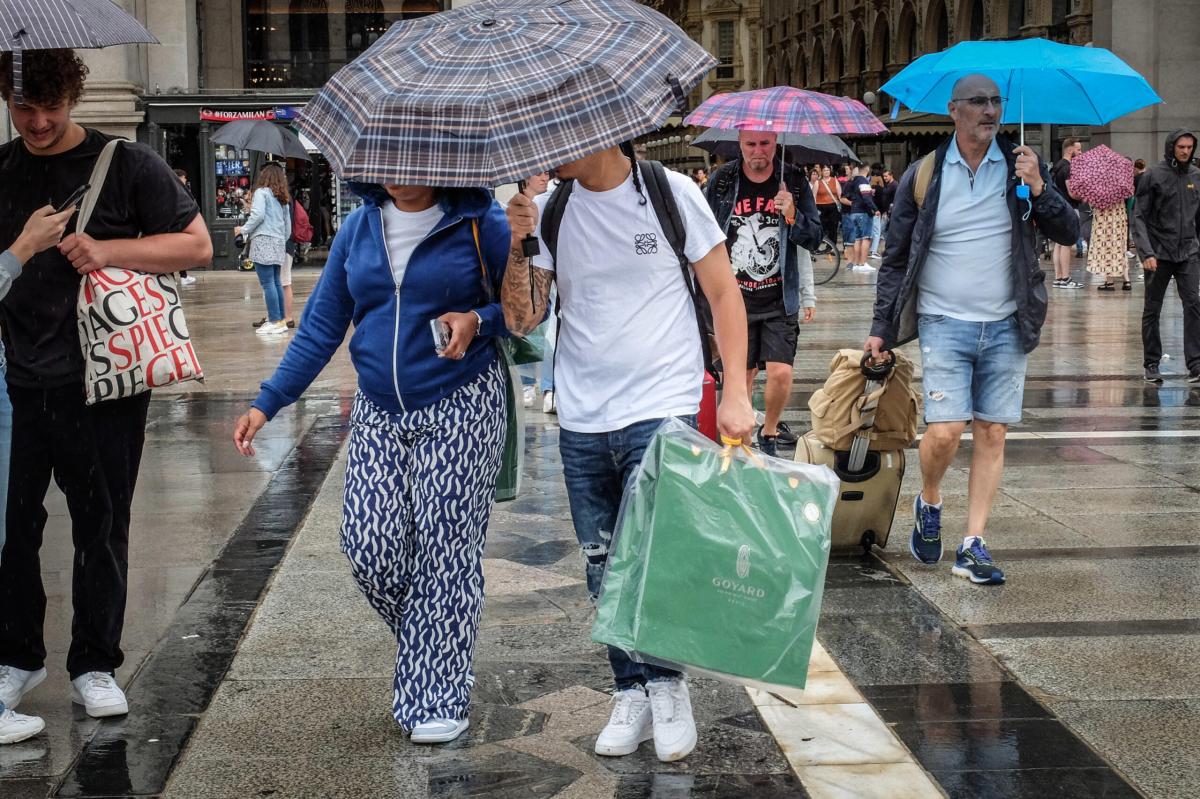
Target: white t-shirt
x: 628, y: 347
x: 403, y: 231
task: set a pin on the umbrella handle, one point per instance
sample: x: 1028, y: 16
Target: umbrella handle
x: 530, y: 247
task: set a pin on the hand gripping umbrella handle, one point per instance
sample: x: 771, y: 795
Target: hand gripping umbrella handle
x: 529, y: 244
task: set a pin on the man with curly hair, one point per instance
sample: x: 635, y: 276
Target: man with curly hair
x: 144, y: 219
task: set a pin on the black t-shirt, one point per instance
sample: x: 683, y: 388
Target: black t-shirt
x: 860, y: 193
x: 141, y: 196
x: 1062, y: 173
x: 752, y: 237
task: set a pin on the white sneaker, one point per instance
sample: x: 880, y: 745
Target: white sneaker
x: 529, y: 395
x: 674, y: 727
x: 631, y: 723
x: 866, y: 267
x: 15, y: 683
x: 548, y: 402
x: 275, y: 330
x: 264, y: 329
x: 438, y: 731
x: 99, y: 694
x: 187, y: 281
x: 15, y: 727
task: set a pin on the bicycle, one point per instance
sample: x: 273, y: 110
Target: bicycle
x: 826, y: 260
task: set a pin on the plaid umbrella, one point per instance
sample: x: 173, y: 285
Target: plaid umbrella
x: 783, y: 109
x: 56, y: 24
x: 801, y: 148
x: 498, y: 90
x: 1101, y: 177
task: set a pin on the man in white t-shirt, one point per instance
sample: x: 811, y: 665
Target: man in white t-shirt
x: 629, y: 356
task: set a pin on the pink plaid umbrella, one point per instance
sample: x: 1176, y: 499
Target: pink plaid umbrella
x: 783, y: 109
x: 1101, y: 177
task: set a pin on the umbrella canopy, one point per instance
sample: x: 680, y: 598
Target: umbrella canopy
x: 1043, y: 81
x: 54, y: 24
x: 262, y: 136
x: 815, y: 148
x: 499, y: 90
x: 783, y: 109
x: 1101, y: 177
x: 57, y: 24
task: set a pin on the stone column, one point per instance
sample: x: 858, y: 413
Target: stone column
x: 117, y: 75
x: 1079, y: 22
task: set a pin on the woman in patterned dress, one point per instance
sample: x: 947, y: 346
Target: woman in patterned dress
x: 427, y: 427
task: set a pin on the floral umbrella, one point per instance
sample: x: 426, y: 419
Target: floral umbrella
x: 1101, y: 177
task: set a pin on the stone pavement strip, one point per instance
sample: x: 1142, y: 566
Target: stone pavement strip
x: 304, y: 709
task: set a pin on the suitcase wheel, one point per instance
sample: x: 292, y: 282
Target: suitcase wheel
x: 867, y: 541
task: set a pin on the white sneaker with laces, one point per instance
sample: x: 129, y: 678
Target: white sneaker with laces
x: 16, y: 727
x: 99, y: 694
x: 548, y: 402
x: 15, y: 683
x: 866, y: 267
x: 631, y: 723
x: 275, y: 330
x: 674, y: 727
x: 264, y: 329
x: 438, y: 731
x: 187, y: 281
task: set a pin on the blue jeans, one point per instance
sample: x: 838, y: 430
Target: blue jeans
x: 971, y: 370
x: 268, y: 278
x: 860, y: 227
x: 598, y: 467
x: 876, y: 232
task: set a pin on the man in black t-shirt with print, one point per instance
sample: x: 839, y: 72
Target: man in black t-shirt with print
x: 144, y: 219
x: 770, y: 227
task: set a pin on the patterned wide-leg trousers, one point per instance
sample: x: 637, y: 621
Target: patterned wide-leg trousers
x: 419, y: 490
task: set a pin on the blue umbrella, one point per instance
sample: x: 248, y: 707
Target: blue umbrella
x: 1044, y: 81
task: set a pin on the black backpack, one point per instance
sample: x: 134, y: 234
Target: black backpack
x: 658, y: 189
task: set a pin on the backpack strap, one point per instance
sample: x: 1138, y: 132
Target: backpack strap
x: 552, y: 216
x: 923, y: 178
x: 99, y: 175
x: 662, y: 199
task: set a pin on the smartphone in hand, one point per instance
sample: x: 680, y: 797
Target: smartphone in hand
x: 75, y: 198
x: 441, y: 334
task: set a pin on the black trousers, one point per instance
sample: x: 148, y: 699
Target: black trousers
x: 1187, y: 283
x: 93, y: 454
x: 831, y: 221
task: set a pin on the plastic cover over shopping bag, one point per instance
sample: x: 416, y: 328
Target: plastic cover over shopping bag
x: 718, y: 561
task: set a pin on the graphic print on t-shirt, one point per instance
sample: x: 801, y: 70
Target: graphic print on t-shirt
x: 753, y: 241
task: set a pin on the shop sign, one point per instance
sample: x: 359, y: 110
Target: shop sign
x: 283, y: 112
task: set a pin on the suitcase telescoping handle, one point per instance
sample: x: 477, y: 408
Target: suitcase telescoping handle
x: 877, y: 375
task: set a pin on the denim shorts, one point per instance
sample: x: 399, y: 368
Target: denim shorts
x: 860, y: 227
x: 972, y: 370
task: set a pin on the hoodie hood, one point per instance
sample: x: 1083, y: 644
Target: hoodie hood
x: 453, y: 201
x: 1169, y: 146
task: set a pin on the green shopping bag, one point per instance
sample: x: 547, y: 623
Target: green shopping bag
x: 718, y: 562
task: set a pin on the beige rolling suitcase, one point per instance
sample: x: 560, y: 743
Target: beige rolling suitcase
x: 867, y: 503
x: 872, y: 469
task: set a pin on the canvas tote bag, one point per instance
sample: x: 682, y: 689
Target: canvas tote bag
x: 131, y: 325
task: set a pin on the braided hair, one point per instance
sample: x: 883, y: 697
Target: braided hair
x: 628, y: 151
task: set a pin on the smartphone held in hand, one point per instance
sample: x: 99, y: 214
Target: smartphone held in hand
x: 441, y: 334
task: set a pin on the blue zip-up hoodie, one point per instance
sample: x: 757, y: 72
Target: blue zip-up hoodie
x: 392, y: 345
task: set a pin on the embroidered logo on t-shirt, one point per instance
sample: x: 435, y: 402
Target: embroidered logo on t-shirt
x: 645, y: 243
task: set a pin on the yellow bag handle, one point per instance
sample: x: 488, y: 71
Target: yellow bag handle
x: 736, y: 443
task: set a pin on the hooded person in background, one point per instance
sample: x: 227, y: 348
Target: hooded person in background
x: 1164, y: 222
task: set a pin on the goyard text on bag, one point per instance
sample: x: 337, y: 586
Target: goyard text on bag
x: 132, y: 330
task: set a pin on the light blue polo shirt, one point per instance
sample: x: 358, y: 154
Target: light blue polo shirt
x: 968, y: 273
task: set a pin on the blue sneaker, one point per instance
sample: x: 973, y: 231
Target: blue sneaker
x: 975, y: 564
x: 925, y: 543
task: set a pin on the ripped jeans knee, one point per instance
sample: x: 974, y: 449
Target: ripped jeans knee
x: 595, y: 558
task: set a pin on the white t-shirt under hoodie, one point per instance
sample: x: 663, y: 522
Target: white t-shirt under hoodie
x: 403, y: 231
x: 628, y: 346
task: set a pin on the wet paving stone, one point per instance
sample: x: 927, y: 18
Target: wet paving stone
x: 1085, y: 783
x: 996, y: 744
x: 503, y: 775
x: 927, y: 702
x: 708, y: 786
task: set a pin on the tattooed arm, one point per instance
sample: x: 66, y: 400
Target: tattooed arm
x: 526, y: 289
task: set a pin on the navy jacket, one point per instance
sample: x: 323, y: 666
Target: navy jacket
x: 721, y: 193
x: 908, y: 245
x: 392, y: 345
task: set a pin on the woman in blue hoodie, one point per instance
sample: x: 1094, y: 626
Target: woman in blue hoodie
x: 427, y: 427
